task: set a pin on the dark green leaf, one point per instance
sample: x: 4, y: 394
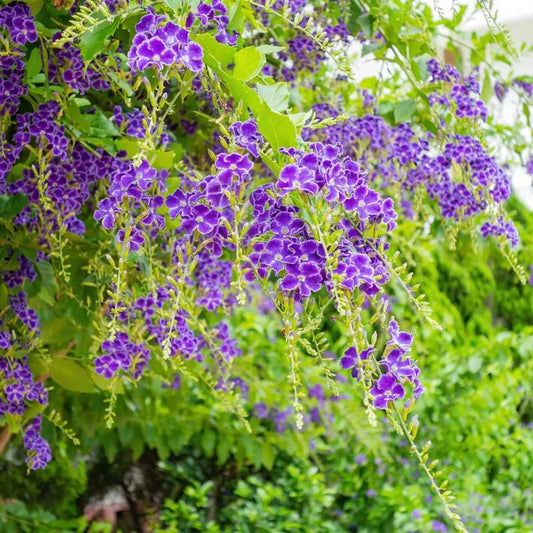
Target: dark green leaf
x: 57, y: 330
x: 71, y: 376
x: 93, y: 42
x: 12, y: 205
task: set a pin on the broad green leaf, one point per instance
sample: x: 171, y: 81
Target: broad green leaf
x: 57, y: 330
x: 215, y: 54
x: 277, y: 129
x: 35, y: 5
x: 163, y: 159
x: 46, y: 272
x: 93, y: 42
x: 71, y: 376
x: 12, y: 205
x: 403, y: 111
x: 223, y: 448
x: 34, y: 64
x: 236, y: 18
x: 268, y: 455
x: 207, y: 440
x: 101, y: 126
x: 269, y: 48
x: 112, y: 385
x: 276, y: 96
x: 248, y: 63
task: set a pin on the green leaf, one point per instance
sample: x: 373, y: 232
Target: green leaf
x: 486, y: 90
x: 403, y: 111
x: 71, y: 376
x: 93, y: 42
x: 369, y: 48
x: 276, y: 96
x: 207, y: 441
x: 223, y: 448
x: 248, y: 63
x: 34, y: 64
x: 101, y: 126
x: 35, y: 5
x: 216, y: 54
x: 46, y: 272
x: 57, y: 330
x: 111, y: 385
x: 12, y: 205
x: 268, y: 455
x: 269, y: 48
x: 277, y: 129
x: 236, y: 18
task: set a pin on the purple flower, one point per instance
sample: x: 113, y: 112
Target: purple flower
x: 293, y: 178
x: 304, y: 277
x: 386, y: 389
x: 351, y: 359
x: 200, y: 217
x: 191, y: 56
x: 106, y: 212
x: 106, y: 365
x: 246, y: 135
x: 176, y: 203
x: 399, y: 367
x: 400, y: 338
x: 237, y: 163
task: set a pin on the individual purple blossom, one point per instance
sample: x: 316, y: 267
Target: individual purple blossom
x: 351, y: 359
x: 200, y: 217
x: 106, y: 212
x: 106, y: 366
x: 5, y: 340
x: 399, y: 338
x: 400, y: 367
x: 304, y: 277
x: 246, y: 135
x: 293, y: 178
x: 386, y: 389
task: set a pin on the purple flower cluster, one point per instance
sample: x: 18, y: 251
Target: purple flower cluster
x: 17, y: 390
x: 28, y: 316
x: 122, y: 354
x: 525, y: 85
x: 17, y: 19
x: 400, y: 369
x: 202, y: 207
x: 71, y: 173
x: 37, y: 449
x: 214, y: 15
x: 501, y: 227
x: 464, y: 179
x: 529, y: 165
x: 68, y: 66
x: 464, y: 91
x: 12, y: 71
x: 18, y: 386
x: 159, y: 43
x: 500, y: 90
x: 16, y: 278
x: 130, y: 193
